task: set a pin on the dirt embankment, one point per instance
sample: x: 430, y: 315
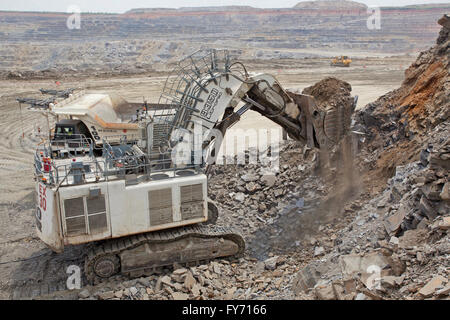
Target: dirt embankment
x: 398, y: 123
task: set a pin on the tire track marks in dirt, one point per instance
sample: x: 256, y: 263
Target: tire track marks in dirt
x: 18, y: 142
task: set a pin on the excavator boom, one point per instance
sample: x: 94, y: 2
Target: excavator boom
x: 214, y: 92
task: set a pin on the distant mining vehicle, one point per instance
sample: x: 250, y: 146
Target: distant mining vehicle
x: 342, y: 61
x: 110, y: 173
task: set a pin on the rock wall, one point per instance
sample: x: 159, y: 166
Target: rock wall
x: 403, y: 118
x: 398, y: 244
x: 142, y: 38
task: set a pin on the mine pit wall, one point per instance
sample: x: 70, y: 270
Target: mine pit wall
x: 404, y: 119
x: 104, y: 210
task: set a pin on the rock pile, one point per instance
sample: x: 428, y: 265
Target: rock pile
x: 256, y: 194
x: 397, y: 245
x: 331, y: 92
x: 220, y: 279
x: 418, y: 193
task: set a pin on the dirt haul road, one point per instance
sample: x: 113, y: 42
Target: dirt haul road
x: 370, y: 78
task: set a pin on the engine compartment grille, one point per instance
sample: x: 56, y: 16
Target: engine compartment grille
x: 85, y: 215
x: 160, y: 206
x: 192, y: 203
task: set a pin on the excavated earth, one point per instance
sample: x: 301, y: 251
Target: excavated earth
x: 372, y: 224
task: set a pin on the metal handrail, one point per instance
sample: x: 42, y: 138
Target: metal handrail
x: 185, y: 83
x: 102, y: 168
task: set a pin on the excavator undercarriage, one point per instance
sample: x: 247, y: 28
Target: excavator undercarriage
x: 145, y: 253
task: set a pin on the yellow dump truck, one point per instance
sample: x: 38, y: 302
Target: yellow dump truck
x: 342, y: 61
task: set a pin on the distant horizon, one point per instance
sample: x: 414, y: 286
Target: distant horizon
x: 114, y: 7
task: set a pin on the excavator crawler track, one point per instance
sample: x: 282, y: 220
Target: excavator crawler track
x: 145, y: 253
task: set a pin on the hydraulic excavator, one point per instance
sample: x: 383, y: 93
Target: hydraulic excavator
x: 109, y: 172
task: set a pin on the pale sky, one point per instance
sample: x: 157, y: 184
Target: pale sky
x: 120, y: 6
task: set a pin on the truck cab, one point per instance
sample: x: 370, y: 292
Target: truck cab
x: 70, y: 137
x: 70, y: 129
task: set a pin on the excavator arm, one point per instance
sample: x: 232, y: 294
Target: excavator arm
x: 210, y: 93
